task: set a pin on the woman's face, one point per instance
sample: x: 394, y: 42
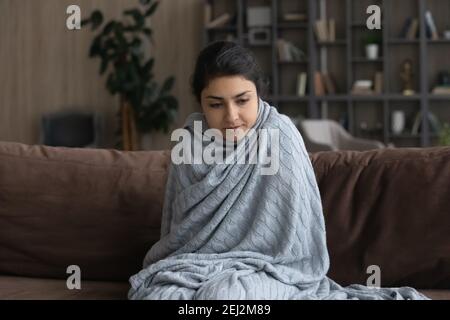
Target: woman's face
x: 230, y: 102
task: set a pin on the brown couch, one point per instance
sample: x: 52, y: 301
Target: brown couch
x: 100, y: 210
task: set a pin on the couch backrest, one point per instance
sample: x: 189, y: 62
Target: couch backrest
x: 389, y: 208
x: 95, y: 208
x: 101, y: 210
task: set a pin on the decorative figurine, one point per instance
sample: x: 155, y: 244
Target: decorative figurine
x: 406, y: 75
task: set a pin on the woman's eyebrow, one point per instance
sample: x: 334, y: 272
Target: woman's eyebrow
x: 221, y: 98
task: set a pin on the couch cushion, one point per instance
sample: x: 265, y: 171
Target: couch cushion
x: 98, y: 209
x: 390, y: 208
x: 45, y: 289
x: 18, y: 288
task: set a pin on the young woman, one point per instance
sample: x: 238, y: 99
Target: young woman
x: 228, y: 230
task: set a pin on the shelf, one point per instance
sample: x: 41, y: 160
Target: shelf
x: 365, y: 60
x: 333, y: 97
x: 374, y: 97
x: 223, y: 29
x: 368, y: 97
x: 259, y: 45
x: 439, y: 41
x: 401, y: 97
x: 437, y: 97
x: 293, y: 62
x: 291, y: 98
x: 296, y: 25
x: 339, y: 42
x: 403, y: 41
x: 410, y: 135
x: 429, y: 57
x: 404, y: 136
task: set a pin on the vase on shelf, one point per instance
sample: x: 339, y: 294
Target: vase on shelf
x: 372, y: 51
x: 398, y: 121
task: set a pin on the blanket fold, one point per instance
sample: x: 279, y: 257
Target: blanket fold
x: 230, y: 232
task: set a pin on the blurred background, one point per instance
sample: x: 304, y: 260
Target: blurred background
x: 120, y: 78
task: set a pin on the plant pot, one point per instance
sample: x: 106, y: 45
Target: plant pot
x: 128, y: 126
x: 372, y: 51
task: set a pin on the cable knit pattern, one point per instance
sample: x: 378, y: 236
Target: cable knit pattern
x: 229, y: 232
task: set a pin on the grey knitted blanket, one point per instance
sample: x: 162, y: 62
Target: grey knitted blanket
x: 230, y: 232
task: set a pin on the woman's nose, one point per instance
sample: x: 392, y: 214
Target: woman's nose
x: 231, y: 114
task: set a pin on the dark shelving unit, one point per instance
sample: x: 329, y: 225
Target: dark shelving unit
x: 347, y: 63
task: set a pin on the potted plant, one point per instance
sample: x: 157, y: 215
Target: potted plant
x: 372, y: 43
x: 145, y: 106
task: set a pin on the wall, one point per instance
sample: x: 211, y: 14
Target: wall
x: 44, y: 67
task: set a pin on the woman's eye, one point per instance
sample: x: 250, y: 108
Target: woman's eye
x: 242, y: 101
x: 215, y: 105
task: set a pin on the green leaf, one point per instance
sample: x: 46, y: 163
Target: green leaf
x: 152, y: 9
x: 112, y: 84
x: 147, y: 31
x: 110, y: 48
x: 109, y: 27
x: 96, y: 19
x: 168, y: 84
x: 137, y: 16
x: 104, y: 64
x: 136, y: 42
x: 85, y: 22
x: 96, y: 48
x: 120, y: 37
x: 149, y: 66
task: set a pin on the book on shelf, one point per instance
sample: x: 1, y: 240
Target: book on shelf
x: 413, y: 29
x: 288, y: 52
x: 302, y: 79
x: 294, y: 17
x: 324, y: 83
x: 332, y: 30
x: 410, y: 29
x: 330, y: 84
x: 432, y: 31
x: 405, y: 28
x: 319, y: 87
x: 321, y: 30
x: 362, y: 87
x: 378, y: 83
x: 441, y: 90
x: 433, y: 123
x: 220, y: 21
x: 325, y: 30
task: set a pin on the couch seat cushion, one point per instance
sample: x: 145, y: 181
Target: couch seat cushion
x: 17, y: 288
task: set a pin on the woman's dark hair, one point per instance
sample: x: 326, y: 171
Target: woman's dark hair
x: 226, y: 58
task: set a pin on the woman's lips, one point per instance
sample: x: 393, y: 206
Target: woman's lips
x: 234, y: 133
